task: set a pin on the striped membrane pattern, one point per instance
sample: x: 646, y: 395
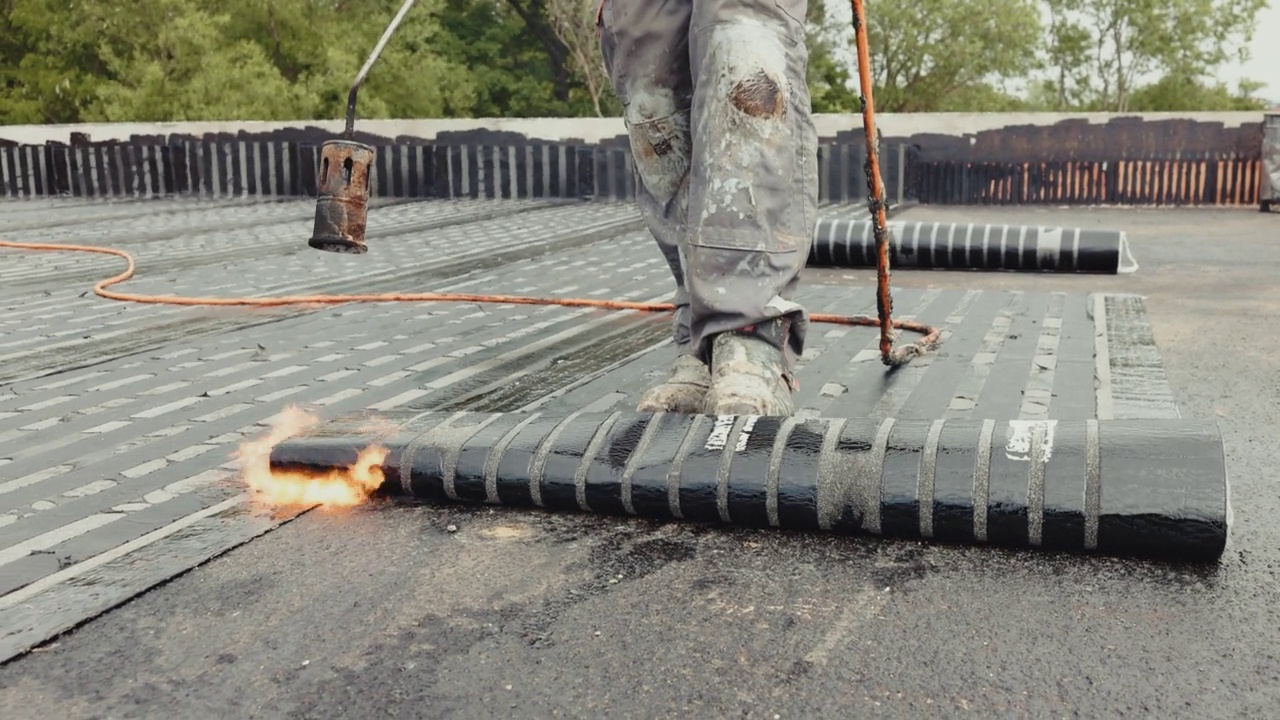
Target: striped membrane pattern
x: 216, y: 167
x: 59, y: 327
x: 843, y: 242
x: 1004, y: 355
x: 107, y: 455
x: 118, y: 422
x: 1069, y: 486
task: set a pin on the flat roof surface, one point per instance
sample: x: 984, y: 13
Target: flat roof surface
x: 117, y: 422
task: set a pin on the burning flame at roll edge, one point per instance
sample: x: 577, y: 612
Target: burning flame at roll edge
x: 343, y: 487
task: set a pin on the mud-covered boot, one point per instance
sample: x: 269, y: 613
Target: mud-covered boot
x: 683, y: 391
x: 748, y: 378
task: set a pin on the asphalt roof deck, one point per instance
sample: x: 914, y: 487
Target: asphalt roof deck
x: 115, y: 419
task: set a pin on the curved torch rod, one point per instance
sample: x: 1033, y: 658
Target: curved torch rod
x: 364, y: 71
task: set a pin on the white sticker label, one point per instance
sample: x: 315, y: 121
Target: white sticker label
x: 1020, y: 434
x: 719, y: 436
x: 720, y: 432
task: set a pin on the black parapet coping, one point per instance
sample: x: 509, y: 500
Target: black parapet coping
x: 453, y: 166
x: 849, y: 243
x: 1127, y: 160
x: 1145, y: 488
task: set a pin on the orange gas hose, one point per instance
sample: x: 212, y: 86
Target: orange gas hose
x: 930, y: 334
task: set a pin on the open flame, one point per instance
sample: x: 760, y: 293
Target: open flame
x: 334, y: 488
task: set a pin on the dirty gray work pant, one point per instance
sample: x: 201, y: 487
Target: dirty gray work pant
x: 719, y: 117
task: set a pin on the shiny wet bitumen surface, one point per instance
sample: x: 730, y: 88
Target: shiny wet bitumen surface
x: 115, y: 420
x: 1131, y: 488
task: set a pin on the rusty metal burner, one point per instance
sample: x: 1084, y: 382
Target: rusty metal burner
x: 343, y: 203
x: 344, y: 183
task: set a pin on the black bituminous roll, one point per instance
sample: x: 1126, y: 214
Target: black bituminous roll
x: 960, y: 246
x: 1154, y: 488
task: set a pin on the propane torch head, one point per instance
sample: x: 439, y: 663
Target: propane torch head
x: 342, y: 204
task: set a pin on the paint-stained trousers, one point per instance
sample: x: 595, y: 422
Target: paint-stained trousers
x: 718, y: 112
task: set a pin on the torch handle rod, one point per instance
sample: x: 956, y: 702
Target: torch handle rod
x: 373, y: 56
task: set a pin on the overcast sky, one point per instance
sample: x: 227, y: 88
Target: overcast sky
x: 1264, y: 66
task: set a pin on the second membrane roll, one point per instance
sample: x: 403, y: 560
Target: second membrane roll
x: 850, y: 243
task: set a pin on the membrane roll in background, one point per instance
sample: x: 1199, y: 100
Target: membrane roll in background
x: 849, y: 243
x: 1153, y: 488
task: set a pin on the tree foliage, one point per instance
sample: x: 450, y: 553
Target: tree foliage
x: 1101, y: 48
x: 574, y: 23
x: 1182, y: 93
x: 166, y: 60
x: 942, y: 55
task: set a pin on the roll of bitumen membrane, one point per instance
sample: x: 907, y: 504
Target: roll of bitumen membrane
x: 849, y: 243
x: 1154, y: 488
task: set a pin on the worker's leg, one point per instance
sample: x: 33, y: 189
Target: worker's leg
x: 645, y: 44
x: 752, y: 199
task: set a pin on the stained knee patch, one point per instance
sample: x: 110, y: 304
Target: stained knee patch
x: 660, y: 148
x: 751, y: 187
x: 759, y: 96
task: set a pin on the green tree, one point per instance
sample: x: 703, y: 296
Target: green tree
x: 320, y: 46
x: 537, y: 26
x: 574, y: 23
x: 511, y: 76
x: 832, y: 88
x: 411, y: 79
x: 928, y: 55
x: 186, y: 68
x: 1174, y: 93
x: 943, y: 55
x: 1100, y: 49
x: 52, y: 63
x: 223, y: 59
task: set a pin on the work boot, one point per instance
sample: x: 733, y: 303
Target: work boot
x: 684, y: 390
x: 748, y: 377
